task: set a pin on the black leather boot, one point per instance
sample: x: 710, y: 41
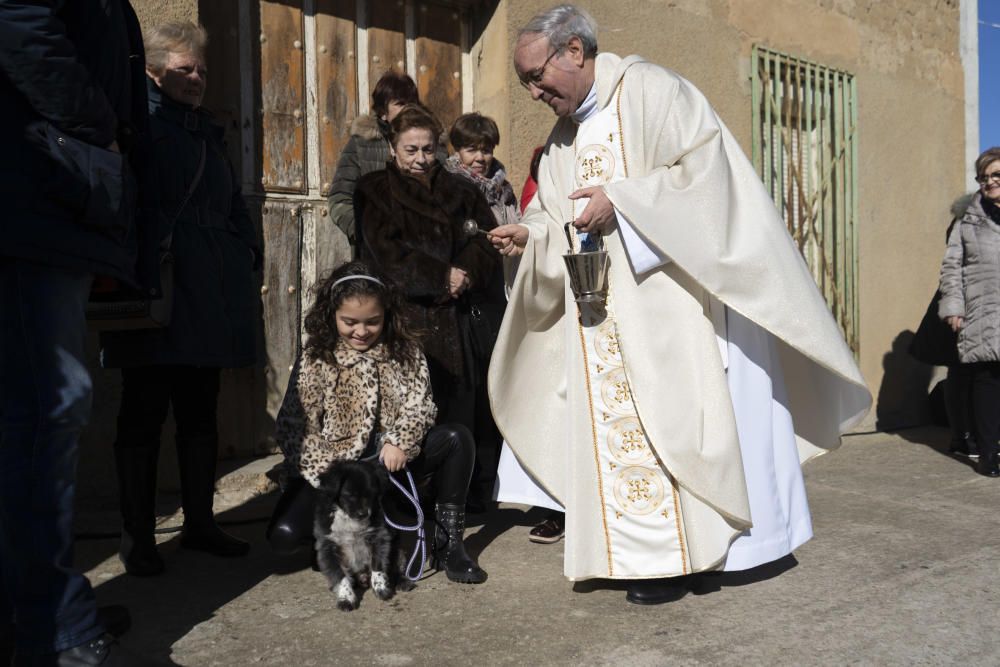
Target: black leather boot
x: 988, y: 463
x: 449, y: 550
x: 136, y: 467
x: 660, y: 591
x: 197, y: 459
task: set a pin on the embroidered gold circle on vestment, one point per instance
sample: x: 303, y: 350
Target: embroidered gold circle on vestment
x: 595, y: 165
x: 627, y: 442
x: 616, y: 393
x: 639, y: 490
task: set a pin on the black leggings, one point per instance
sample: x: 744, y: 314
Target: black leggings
x: 444, y: 467
x: 445, y: 463
x: 985, y: 378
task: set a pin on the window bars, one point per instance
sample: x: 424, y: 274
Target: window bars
x: 805, y: 147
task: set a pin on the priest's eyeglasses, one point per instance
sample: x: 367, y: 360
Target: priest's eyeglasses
x: 534, y: 77
x: 984, y: 179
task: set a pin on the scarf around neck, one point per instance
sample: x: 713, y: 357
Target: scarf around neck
x: 494, y: 185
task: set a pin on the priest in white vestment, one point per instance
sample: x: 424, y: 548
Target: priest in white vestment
x: 670, y: 420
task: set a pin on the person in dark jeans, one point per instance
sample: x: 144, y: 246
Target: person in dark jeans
x: 71, y: 122
x: 196, y: 201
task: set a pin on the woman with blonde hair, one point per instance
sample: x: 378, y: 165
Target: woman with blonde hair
x: 192, y: 205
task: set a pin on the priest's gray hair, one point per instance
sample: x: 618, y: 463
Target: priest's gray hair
x: 560, y: 24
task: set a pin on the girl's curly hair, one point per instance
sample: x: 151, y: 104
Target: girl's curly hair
x: 321, y: 320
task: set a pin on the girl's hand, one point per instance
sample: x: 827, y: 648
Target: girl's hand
x: 458, y: 282
x: 955, y: 322
x: 509, y: 239
x: 393, y: 458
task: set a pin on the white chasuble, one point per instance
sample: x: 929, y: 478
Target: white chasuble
x: 713, y: 312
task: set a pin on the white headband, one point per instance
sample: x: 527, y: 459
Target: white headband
x: 357, y: 277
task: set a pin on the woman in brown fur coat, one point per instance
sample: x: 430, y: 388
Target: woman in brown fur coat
x: 410, y: 224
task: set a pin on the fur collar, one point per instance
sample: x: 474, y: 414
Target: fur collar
x: 428, y: 202
x: 368, y: 127
x: 347, y: 356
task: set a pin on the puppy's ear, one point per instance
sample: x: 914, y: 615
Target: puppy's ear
x: 330, y: 481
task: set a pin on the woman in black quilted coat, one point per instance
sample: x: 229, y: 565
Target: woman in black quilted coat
x: 192, y: 198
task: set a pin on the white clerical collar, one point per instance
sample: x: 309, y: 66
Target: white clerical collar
x: 588, y: 107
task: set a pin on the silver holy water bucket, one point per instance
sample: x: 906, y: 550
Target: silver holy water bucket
x: 588, y: 272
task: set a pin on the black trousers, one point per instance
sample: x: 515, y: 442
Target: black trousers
x: 148, y: 392
x: 441, y: 472
x: 958, y: 401
x: 466, y: 402
x: 985, y: 399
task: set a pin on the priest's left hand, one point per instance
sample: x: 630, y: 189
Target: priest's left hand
x: 598, y: 215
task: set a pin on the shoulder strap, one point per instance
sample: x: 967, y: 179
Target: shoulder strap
x: 169, y: 238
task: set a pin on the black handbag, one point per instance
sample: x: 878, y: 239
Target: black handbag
x: 935, y: 343
x: 150, y: 307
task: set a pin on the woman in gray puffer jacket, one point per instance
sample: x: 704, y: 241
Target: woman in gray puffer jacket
x: 970, y: 303
x: 368, y: 148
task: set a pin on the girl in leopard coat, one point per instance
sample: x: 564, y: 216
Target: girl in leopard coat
x: 361, y: 389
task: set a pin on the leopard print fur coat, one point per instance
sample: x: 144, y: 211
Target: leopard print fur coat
x: 329, y: 410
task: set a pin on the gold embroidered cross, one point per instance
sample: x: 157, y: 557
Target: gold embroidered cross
x: 592, y: 167
x: 638, y: 489
x: 622, y: 394
x: 632, y: 441
x: 613, y: 343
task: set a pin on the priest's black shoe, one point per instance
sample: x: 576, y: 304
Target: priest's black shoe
x: 660, y: 591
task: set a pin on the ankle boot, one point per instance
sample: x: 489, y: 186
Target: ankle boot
x: 988, y: 463
x: 197, y: 459
x: 136, y: 468
x: 449, y: 550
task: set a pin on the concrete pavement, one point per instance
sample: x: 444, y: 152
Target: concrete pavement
x: 903, y: 570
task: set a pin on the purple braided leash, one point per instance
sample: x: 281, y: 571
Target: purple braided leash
x: 421, y: 546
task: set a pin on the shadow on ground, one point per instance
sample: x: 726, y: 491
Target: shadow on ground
x: 195, y: 586
x: 168, y: 607
x: 711, y: 582
x: 935, y: 438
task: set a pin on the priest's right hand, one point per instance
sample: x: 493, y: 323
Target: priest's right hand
x: 509, y: 240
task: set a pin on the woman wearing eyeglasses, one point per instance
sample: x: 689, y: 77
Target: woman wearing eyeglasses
x: 970, y: 303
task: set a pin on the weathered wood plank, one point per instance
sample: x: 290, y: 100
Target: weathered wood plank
x: 280, y: 295
x: 336, y: 36
x: 439, y: 60
x: 386, y: 39
x: 222, y: 56
x: 282, y: 63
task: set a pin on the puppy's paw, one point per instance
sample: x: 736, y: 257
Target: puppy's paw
x: 381, y: 587
x: 347, y: 600
x: 405, y: 585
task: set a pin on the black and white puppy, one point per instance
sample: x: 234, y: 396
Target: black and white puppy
x: 355, y: 547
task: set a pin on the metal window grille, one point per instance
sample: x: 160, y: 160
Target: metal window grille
x: 805, y: 148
